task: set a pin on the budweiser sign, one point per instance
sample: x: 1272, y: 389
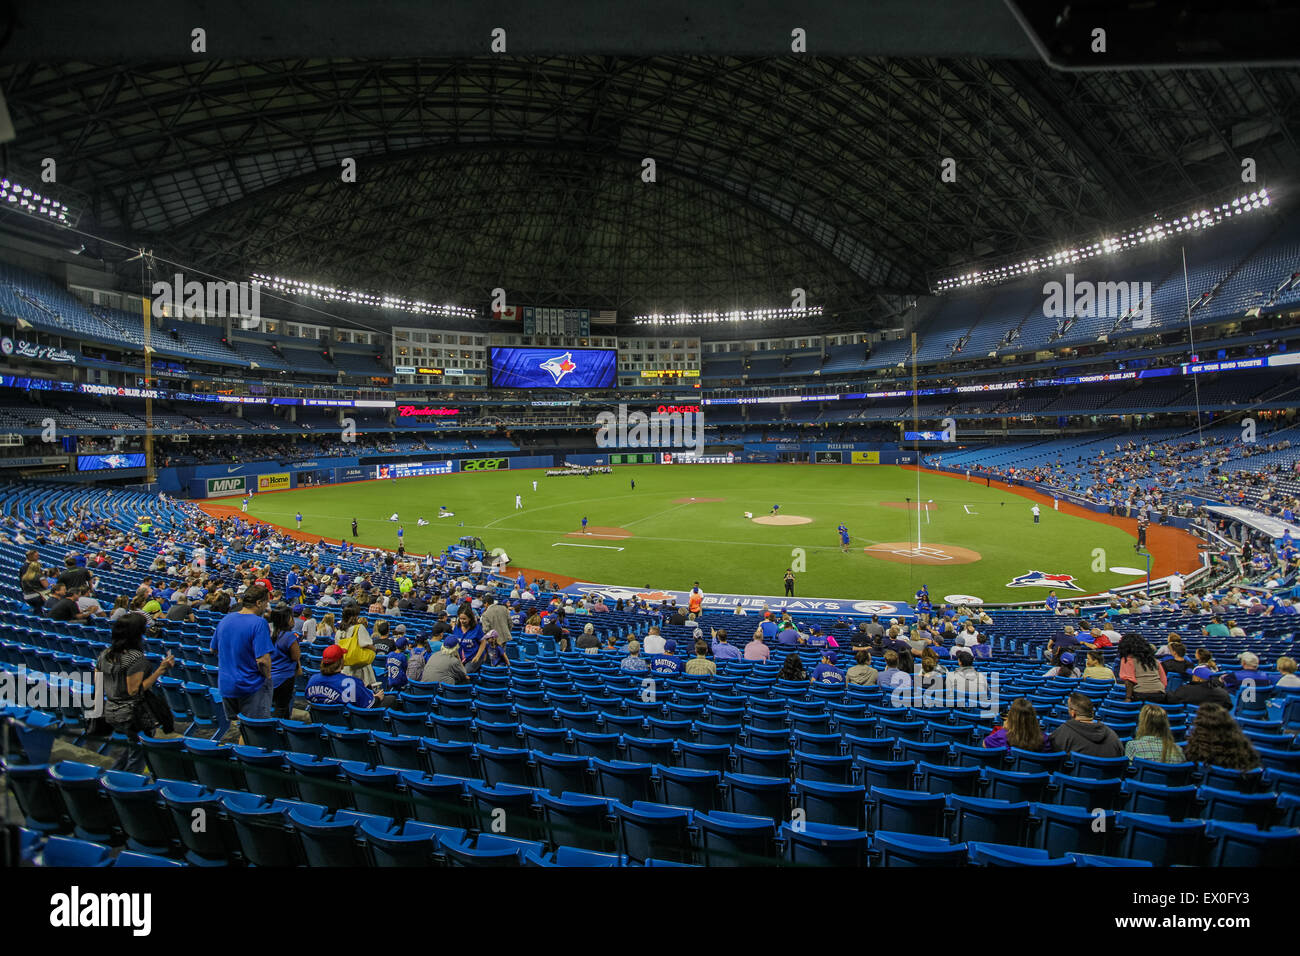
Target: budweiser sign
x: 427, y: 411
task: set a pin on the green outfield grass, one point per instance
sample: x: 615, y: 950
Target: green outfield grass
x: 674, y: 544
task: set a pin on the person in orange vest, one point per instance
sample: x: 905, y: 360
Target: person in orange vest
x: 696, y: 600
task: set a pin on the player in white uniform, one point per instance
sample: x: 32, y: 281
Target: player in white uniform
x: 534, y: 484
x: 519, y: 502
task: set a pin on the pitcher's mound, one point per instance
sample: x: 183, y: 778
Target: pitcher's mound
x: 909, y: 505
x: 904, y: 552
x: 598, y: 531
x: 687, y: 501
x: 781, y: 519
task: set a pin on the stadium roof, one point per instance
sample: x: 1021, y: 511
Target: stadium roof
x: 525, y: 172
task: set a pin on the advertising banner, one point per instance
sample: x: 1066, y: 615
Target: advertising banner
x: 484, y: 464
x: 224, y: 487
x: 864, y: 458
x: 828, y: 457
x: 276, y: 482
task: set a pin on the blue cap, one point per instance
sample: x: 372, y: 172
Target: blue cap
x: 1067, y: 658
x: 670, y: 646
x: 451, y: 641
x: 400, y: 643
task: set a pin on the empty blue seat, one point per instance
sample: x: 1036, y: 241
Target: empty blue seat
x: 1233, y: 807
x: 996, y: 854
x: 815, y: 767
x: 213, y: 844
x: 1166, y: 774
x: 414, y: 844
x: 816, y: 844
x: 327, y: 843
x: 1086, y: 791
x: 762, y: 763
x: 987, y: 821
x: 1162, y: 841
x: 903, y: 811
x: 910, y: 849
x: 873, y: 748
x: 969, y: 755
x: 437, y: 799
x: 319, y: 781
x: 345, y: 743
x: 889, y: 774
x: 578, y: 820
x: 265, y: 771
x: 140, y: 812
x: 1098, y: 768
x: 938, y: 778
x: 306, y: 738
x: 1245, y: 844
x: 693, y: 789
x: 65, y: 851
x: 1014, y: 786
x: 92, y: 813
x: 837, y: 804
x: 602, y: 746
x: 651, y: 831
x: 40, y: 801
x: 551, y: 740
x: 460, y: 854
x: 643, y: 750
x: 758, y: 796
x: 1177, y: 803
x: 397, y: 750
x: 264, y: 837
x: 262, y: 732
x: 1063, y: 830
x: 501, y: 765
x: 622, y: 781
x: 734, y: 839
x: 1032, y: 761
x: 697, y: 756
x: 448, y: 758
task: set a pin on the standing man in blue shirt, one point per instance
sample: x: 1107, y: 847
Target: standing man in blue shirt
x: 242, y: 642
x: 298, y: 518
x: 584, y: 524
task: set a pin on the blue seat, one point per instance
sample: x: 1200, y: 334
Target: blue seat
x: 936, y: 753
x: 374, y: 790
x: 836, y: 804
x: 212, y: 844
x: 1162, y: 841
x: 167, y: 757
x: 1166, y: 774
x: 399, y: 751
x: 937, y: 778
x: 328, y: 714
x: 503, y: 808
x: 327, y: 843
x: 1032, y: 761
x: 1013, y: 786
x: 65, y: 851
x: 653, y: 831
x: 134, y: 859
x: 902, y: 729
x: 578, y: 720
x: 758, y: 796
x: 345, y: 743
x: 692, y: 789
x: 92, y: 813
x: 903, y: 811
x: 602, y: 746
x: 1177, y: 803
x: 460, y: 854
x: 624, y: 782
x: 1061, y: 830
x: 551, y: 740
x: 40, y: 801
x: 987, y: 821
x: 264, y: 837
x: 319, y: 780
x: 910, y: 849
x: 814, y: 767
x: 1086, y: 791
x: 972, y: 755
x: 505, y: 736
x: 409, y: 723
x: 561, y: 772
x: 996, y: 854
x: 697, y: 756
x: 643, y: 750
x: 307, y: 739
x: 452, y: 759
x: 762, y: 763
x: 734, y: 839
x: 141, y: 813
x: 265, y: 771
x: 1098, y: 768
x: 889, y: 774
x: 1273, y: 758
x: 501, y: 765
x: 872, y: 748
x: 414, y: 844
x: 366, y: 718
x: 1090, y: 859
x: 816, y: 844
x: 436, y: 799
x: 1244, y: 844
x: 577, y: 820
x: 574, y: 857
x: 1232, y: 807
x: 262, y: 732
x: 1224, y: 778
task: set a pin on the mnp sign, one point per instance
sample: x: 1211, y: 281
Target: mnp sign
x: 277, y: 482
x: 222, y: 487
x: 864, y: 458
x: 484, y: 464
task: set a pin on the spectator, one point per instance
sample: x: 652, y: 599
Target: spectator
x: 1142, y: 675
x: 654, y: 642
x: 121, y: 607
x: 242, y: 642
x: 61, y: 605
x: 1097, y: 669
x: 700, y: 663
x: 862, y: 673
x: 1248, y: 674
x: 1020, y: 728
x: 33, y: 581
x: 588, y: 641
x: 826, y: 672
x: 1178, y: 662
x: 359, y: 646
x: 756, y: 650
x: 533, y: 624
x: 325, y: 629
x: 417, y: 657
x: 931, y: 673
x: 983, y: 650
x: 383, y: 641
x: 1217, y: 740
x: 1064, y: 666
x: 1203, y: 689
x: 634, y: 662
x: 966, y: 681
x: 1153, y: 739
x: 722, y: 651
x: 496, y: 617
x: 1287, y: 669
x: 123, y: 665
x: 285, y: 664
x: 444, y: 665
x: 1082, y: 733
x: 332, y: 686
x: 667, y: 662
x: 792, y: 668
x: 181, y: 610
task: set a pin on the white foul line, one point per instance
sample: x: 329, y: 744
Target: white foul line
x: 968, y: 511
x: 603, y: 547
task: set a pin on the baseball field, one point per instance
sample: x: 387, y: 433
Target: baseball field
x: 688, y: 523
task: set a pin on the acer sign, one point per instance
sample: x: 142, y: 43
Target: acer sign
x: 484, y: 464
x: 425, y: 411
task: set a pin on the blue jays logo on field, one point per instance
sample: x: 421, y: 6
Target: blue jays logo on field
x: 559, y: 366
x: 116, y: 461
x: 1038, y: 579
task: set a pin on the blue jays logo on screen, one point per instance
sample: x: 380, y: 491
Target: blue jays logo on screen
x: 1038, y: 579
x: 559, y: 366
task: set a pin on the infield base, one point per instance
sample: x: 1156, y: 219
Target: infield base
x: 905, y: 552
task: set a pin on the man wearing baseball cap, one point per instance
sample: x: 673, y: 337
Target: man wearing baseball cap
x: 1203, y: 689
x: 826, y: 672
x: 332, y: 686
x: 667, y: 662
x: 444, y: 666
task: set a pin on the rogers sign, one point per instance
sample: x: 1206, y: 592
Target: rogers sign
x: 669, y: 409
x: 416, y: 411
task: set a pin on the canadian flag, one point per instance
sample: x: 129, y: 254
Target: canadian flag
x: 510, y: 313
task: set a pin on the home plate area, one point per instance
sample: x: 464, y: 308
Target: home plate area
x: 599, y: 531
x: 905, y: 552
